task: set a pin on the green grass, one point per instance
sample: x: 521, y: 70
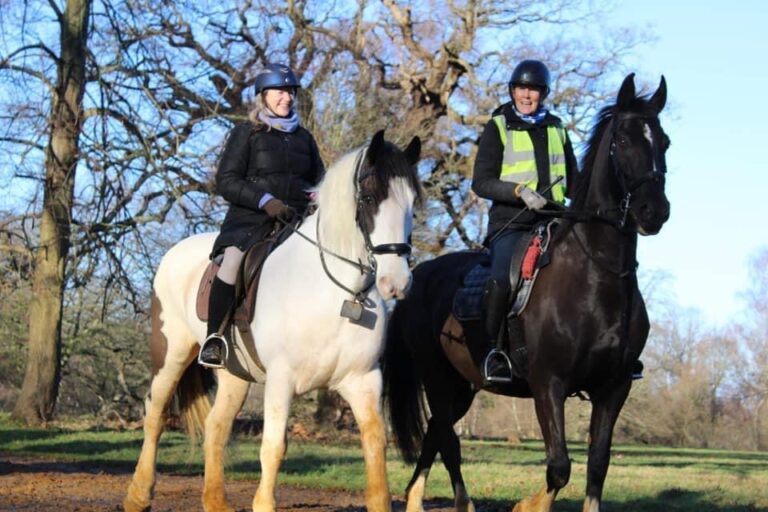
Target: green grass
x: 651, y: 479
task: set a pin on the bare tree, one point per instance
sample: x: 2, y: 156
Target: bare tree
x: 40, y: 387
x: 163, y: 82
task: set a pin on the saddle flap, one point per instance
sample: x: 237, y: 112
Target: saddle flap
x: 204, y: 290
x: 248, y: 278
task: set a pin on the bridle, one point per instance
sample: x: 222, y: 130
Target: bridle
x: 628, y: 188
x: 364, y: 199
x: 368, y: 269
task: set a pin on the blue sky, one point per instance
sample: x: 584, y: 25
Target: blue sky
x: 713, y: 55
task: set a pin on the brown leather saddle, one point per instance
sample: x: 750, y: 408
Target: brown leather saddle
x: 246, y: 290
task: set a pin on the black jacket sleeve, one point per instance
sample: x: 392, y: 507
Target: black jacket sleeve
x: 486, y: 181
x: 231, y: 182
x: 317, y: 164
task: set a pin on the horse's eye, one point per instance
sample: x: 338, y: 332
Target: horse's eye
x: 367, y: 199
x: 623, y: 140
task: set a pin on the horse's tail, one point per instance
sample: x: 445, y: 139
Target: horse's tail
x: 402, y: 389
x: 192, y: 395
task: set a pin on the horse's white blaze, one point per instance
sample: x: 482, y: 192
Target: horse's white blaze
x: 393, y: 225
x: 648, y: 134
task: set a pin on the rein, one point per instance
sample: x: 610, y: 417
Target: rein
x: 361, y: 200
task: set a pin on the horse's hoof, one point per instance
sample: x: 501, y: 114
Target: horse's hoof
x: 379, y: 505
x: 264, y: 505
x: 131, y: 504
x: 414, y: 506
x: 521, y: 506
x: 465, y: 507
x: 217, y: 507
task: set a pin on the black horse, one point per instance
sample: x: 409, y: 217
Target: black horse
x: 585, y: 323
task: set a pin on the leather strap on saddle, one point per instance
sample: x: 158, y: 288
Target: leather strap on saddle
x: 246, y: 290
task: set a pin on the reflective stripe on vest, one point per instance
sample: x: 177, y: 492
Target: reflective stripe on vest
x: 519, y: 162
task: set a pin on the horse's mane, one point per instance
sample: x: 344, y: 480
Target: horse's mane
x: 336, y: 196
x: 336, y: 206
x: 638, y: 105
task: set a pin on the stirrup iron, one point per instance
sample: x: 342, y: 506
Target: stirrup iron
x: 224, y: 355
x: 497, y: 354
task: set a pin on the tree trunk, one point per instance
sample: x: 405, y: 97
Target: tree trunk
x: 41, y: 380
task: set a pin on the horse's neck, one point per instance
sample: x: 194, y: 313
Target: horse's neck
x: 602, y: 239
x: 608, y: 248
x: 336, y: 239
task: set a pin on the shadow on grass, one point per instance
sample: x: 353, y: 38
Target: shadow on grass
x: 669, y: 500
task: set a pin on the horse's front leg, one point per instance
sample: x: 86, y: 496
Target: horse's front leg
x: 230, y: 395
x: 364, y: 396
x: 605, y: 411
x: 278, y: 393
x: 550, y: 402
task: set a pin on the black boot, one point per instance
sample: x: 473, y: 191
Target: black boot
x: 214, y: 350
x: 637, y: 370
x: 497, y: 367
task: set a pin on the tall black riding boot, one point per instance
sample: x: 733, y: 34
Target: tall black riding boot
x: 220, y: 301
x: 495, y: 306
x: 497, y: 367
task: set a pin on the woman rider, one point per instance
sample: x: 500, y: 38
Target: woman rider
x: 265, y: 172
x: 523, y: 150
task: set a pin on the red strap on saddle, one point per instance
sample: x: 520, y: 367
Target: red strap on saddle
x: 531, y: 256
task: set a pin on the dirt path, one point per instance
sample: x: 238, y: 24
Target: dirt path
x: 42, y: 486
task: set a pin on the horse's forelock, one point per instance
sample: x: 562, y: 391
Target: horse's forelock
x: 391, y: 164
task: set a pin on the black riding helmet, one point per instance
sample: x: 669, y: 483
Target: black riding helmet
x: 273, y: 76
x: 531, y: 72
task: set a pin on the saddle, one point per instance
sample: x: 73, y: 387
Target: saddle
x: 529, y: 256
x: 465, y: 321
x: 241, y: 363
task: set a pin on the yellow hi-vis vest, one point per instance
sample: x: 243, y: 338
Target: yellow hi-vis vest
x: 519, y: 162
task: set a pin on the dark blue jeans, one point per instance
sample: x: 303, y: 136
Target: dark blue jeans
x: 502, y: 248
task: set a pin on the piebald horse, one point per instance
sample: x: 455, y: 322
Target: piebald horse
x: 351, y: 254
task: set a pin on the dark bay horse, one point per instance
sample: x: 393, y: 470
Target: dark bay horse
x: 584, y: 325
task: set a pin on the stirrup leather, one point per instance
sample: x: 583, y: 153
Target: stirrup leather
x: 224, y: 356
x: 502, y: 356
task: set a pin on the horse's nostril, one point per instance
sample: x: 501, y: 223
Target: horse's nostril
x: 647, y: 212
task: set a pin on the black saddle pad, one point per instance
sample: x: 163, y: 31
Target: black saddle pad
x: 467, y: 303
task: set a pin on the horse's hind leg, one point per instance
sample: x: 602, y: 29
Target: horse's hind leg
x: 605, y: 411
x: 550, y: 401
x: 230, y: 395
x: 446, y: 411
x: 170, y: 358
x: 364, y: 397
x: 278, y: 393
x: 414, y: 491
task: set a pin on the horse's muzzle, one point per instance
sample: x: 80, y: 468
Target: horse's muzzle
x: 650, y: 218
x: 391, y: 287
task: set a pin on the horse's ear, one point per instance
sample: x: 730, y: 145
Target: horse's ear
x: 659, y: 98
x: 377, y: 144
x: 413, y: 151
x: 626, y: 92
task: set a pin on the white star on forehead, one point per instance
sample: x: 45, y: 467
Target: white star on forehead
x: 649, y: 135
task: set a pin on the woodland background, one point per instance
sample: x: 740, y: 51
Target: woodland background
x: 112, y: 115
